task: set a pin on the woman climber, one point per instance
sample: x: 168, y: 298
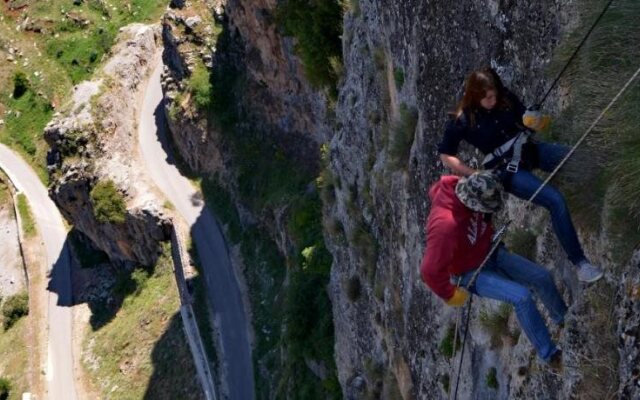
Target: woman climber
x: 493, y: 120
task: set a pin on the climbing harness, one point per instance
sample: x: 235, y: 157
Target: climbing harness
x: 521, y: 138
x: 514, y: 143
x: 503, y: 230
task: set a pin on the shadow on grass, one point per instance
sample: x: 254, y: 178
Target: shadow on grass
x: 174, y: 374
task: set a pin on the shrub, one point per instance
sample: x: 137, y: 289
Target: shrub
x: 445, y: 381
x: 20, y: 84
x: 403, y: 135
x: 522, y: 242
x: 317, y: 26
x: 497, y: 324
x: 199, y: 85
x: 108, y: 203
x: 446, y: 344
x: 398, y: 76
x: 492, y: 378
x: 14, y: 308
x: 5, y: 388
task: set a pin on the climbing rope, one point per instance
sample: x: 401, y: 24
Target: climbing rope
x: 500, y: 233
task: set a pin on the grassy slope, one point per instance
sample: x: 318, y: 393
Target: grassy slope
x: 62, y: 54
x: 601, y: 180
x: 608, y: 161
x: 142, y: 351
x: 15, y: 357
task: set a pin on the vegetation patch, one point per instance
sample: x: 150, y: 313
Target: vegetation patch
x: 15, y: 360
x: 610, y: 153
x: 142, y: 351
x: 317, y: 27
x: 398, y: 76
x: 446, y: 346
x: 403, y: 133
x: 26, y: 217
x: 199, y: 85
x: 492, y: 378
x: 445, y: 382
x: 14, y: 308
x: 522, y: 242
x: 108, y: 203
x: 62, y: 44
x: 5, y: 388
x: 497, y: 324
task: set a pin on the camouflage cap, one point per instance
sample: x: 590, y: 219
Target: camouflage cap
x: 480, y: 191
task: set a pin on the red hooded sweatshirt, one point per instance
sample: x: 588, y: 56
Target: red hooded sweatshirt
x: 458, y: 239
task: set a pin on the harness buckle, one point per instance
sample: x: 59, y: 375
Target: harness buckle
x: 512, y: 167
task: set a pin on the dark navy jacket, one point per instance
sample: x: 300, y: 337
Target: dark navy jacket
x: 491, y: 129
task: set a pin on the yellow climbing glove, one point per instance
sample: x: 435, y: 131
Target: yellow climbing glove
x: 536, y: 120
x: 459, y: 297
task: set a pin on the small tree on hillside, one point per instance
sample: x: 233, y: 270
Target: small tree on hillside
x: 20, y: 84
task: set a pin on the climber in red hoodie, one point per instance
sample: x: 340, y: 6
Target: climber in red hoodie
x: 459, y: 232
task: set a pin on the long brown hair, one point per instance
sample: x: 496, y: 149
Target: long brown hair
x: 475, y: 89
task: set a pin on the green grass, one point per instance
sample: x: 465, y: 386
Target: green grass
x: 142, y: 352
x: 606, y: 163
x: 64, y: 54
x: 15, y: 360
x: 26, y: 217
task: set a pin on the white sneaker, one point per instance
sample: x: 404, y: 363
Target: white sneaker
x: 588, y: 272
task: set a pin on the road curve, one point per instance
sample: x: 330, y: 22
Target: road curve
x: 59, y: 370
x: 222, y: 287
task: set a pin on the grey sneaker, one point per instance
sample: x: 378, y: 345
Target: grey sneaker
x: 588, y: 272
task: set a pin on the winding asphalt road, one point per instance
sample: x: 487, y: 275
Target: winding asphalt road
x: 59, y: 371
x: 222, y: 287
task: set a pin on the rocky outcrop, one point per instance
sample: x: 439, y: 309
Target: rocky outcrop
x: 95, y: 140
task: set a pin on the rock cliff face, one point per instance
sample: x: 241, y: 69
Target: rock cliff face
x: 95, y: 140
x: 387, y: 339
x: 404, y: 64
x: 275, y: 95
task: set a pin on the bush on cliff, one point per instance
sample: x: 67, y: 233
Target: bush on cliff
x: 108, y: 203
x: 317, y: 26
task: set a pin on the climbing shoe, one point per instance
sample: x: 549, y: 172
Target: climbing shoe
x: 588, y: 272
x: 555, y: 362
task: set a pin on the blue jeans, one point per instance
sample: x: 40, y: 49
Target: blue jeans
x: 524, y: 183
x: 507, y: 277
